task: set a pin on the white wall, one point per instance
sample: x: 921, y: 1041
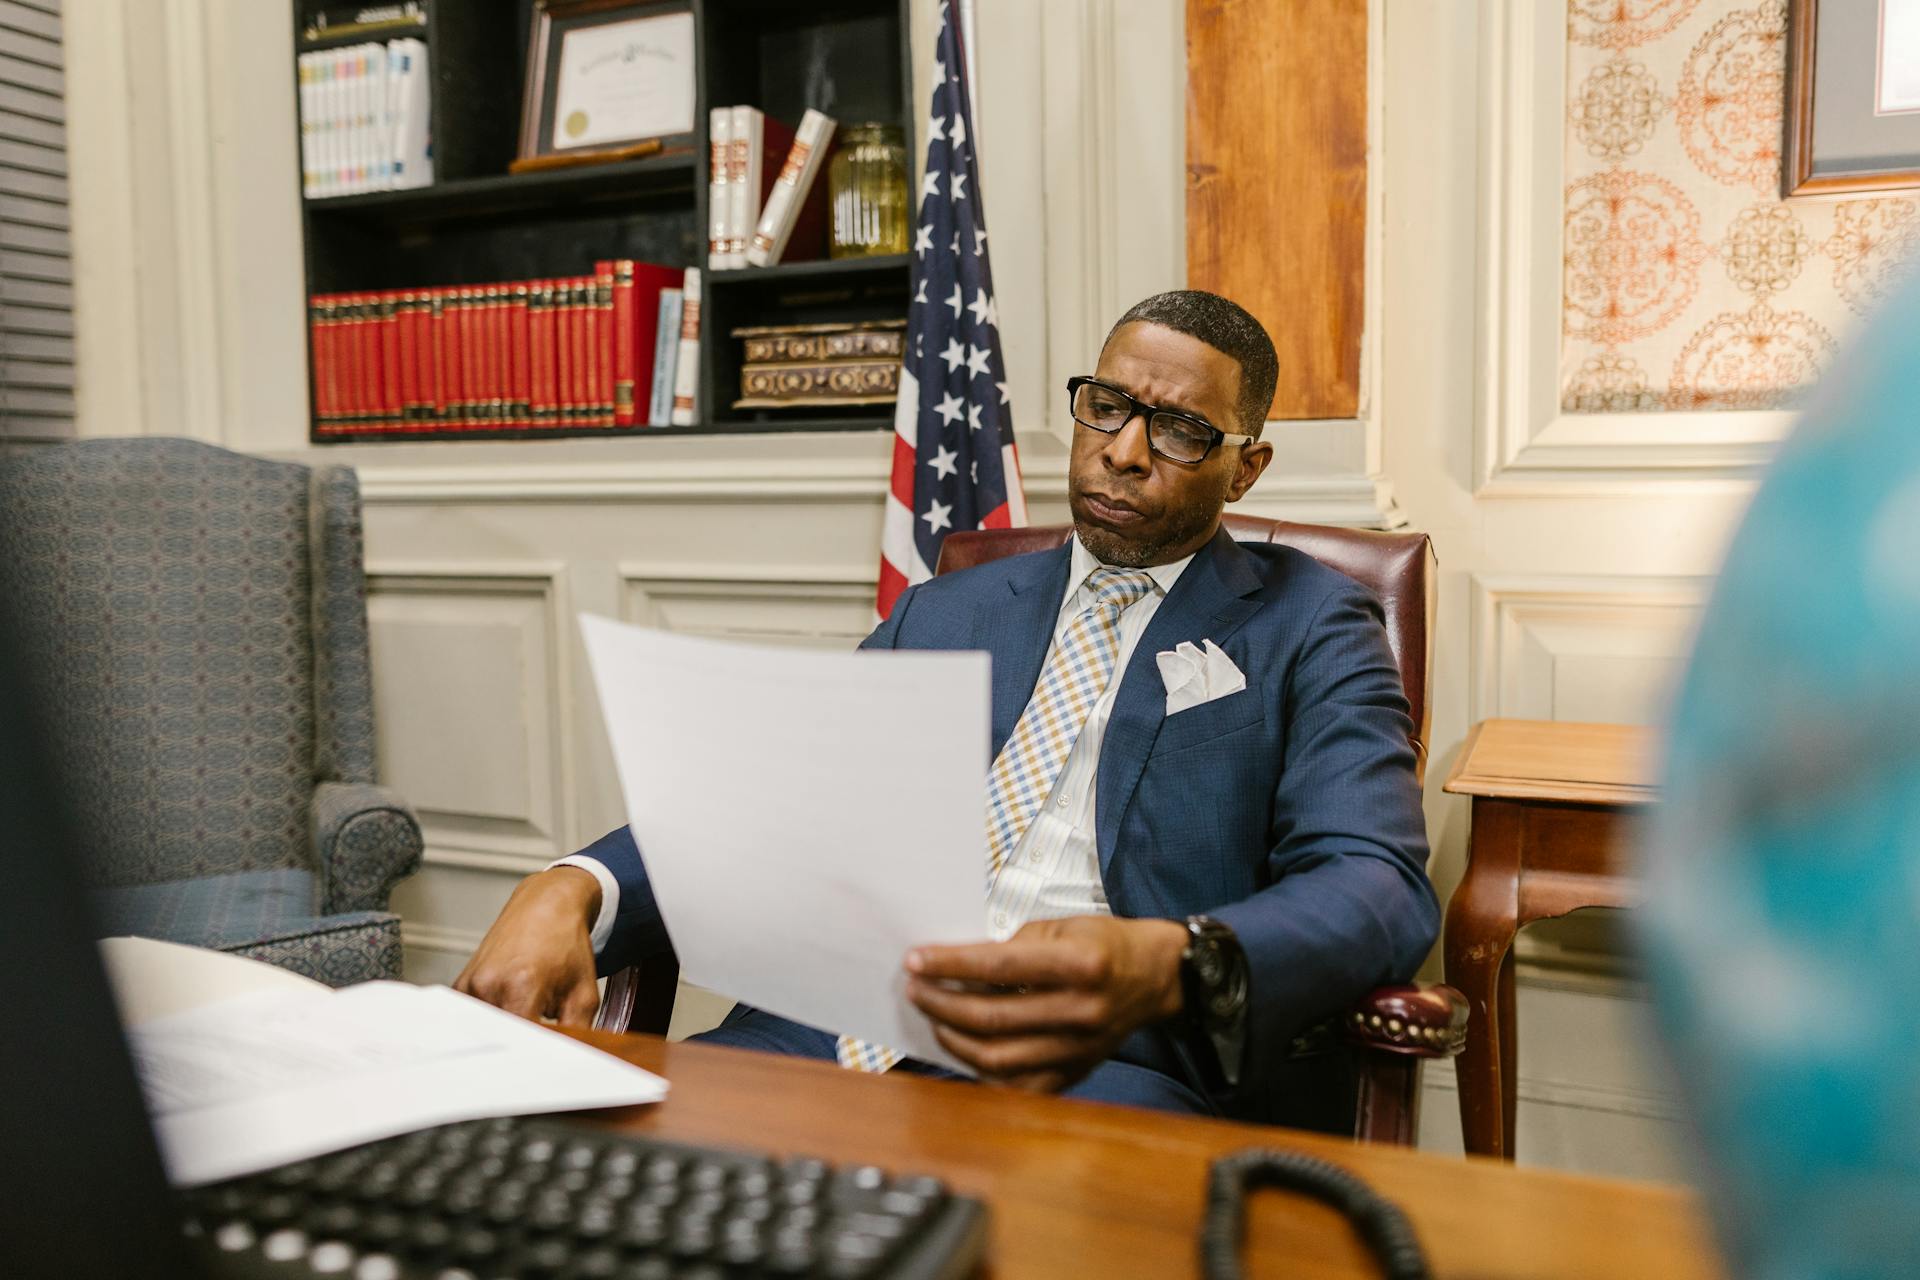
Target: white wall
x: 1574, y: 551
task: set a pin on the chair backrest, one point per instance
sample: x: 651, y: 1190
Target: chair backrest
x: 201, y: 617
x: 1399, y: 568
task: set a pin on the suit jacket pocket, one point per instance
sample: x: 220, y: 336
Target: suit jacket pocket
x: 1209, y: 720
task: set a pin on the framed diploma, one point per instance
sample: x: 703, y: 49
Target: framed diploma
x: 1853, y: 96
x: 607, y: 80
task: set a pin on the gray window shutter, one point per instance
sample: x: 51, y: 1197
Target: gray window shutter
x: 36, y: 256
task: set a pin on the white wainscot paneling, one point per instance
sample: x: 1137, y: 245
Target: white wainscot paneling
x: 820, y: 607
x: 1586, y: 648
x: 469, y: 671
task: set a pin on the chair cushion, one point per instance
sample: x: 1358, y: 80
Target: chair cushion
x: 265, y: 915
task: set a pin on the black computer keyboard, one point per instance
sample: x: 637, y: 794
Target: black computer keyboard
x: 545, y: 1199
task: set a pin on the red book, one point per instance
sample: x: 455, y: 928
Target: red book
x: 480, y: 327
x: 625, y: 359
x: 520, y: 383
x: 648, y: 280
x: 456, y: 372
x: 473, y: 370
x: 404, y: 309
x: 581, y: 364
x: 389, y: 359
x: 536, y: 354
x: 357, y: 362
x: 317, y: 306
x: 499, y: 302
x: 600, y: 343
x: 433, y: 359
x: 562, y: 352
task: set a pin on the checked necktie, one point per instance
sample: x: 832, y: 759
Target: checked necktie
x: 1022, y: 777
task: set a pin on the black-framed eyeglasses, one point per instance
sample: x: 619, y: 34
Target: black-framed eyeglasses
x: 1175, y: 436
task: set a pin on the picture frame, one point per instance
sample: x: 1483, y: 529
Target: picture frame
x: 1847, y: 131
x: 608, y: 80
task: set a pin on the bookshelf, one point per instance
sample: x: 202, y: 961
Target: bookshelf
x: 478, y: 224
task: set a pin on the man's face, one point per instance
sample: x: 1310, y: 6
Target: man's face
x: 1132, y: 507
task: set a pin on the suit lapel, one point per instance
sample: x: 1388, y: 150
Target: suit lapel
x: 1207, y: 603
x: 1018, y: 631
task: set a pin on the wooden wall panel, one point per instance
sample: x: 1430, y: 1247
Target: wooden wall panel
x: 1277, y: 183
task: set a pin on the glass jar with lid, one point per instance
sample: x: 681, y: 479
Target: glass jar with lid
x: 867, y: 187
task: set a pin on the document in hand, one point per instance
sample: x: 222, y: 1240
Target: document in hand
x: 805, y: 817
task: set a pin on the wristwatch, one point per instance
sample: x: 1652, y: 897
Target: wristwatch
x: 1213, y: 988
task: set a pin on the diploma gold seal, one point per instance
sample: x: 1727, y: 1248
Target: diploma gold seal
x: 576, y: 123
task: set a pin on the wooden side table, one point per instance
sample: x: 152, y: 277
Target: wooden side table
x: 1551, y: 808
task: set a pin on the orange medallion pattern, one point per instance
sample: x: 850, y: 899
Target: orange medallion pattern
x: 1687, y: 284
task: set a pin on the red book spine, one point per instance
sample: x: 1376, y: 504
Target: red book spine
x: 519, y: 392
x: 455, y: 383
x: 548, y: 389
x: 625, y: 353
x: 469, y: 358
x: 500, y: 329
x: 429, y: 357
x: 354, y: 310
x: 606, y: 392
x: 534, y: 310
x: 409, y: 362
x: 317, y: 346
x: 479, y: 326
x: 562, y: 353
x: 598, y: 372
x: 585, y: 412
x: 389, y: 360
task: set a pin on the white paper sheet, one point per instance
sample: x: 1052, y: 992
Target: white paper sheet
x: 805, y: 817
x: 262, y: 1079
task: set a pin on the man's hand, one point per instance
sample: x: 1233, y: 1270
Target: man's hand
x: 537, y: 958
x: 1045, y: 1007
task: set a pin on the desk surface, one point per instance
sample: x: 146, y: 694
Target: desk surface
x: 1084, y: 1189
x: 1558, y: 760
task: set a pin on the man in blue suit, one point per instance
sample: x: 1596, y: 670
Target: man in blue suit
x: 1204, y: 832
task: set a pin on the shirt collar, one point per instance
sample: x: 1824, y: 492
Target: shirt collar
x: 1163, y: 575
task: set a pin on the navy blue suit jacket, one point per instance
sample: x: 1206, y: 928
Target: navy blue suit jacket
x: 1288, y: 810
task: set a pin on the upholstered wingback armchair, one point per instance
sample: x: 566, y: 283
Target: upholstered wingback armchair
x: 201, y: 619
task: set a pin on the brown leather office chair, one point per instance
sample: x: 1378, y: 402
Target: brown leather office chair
x: 1393, y: 1027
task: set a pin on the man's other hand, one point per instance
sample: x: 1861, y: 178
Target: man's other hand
x: 1045, y: 1007
x: 537, y: 959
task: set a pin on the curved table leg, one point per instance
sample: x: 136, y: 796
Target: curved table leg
x: 1481, y: 920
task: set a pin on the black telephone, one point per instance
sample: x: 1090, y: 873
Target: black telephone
x: 1380, y: 1224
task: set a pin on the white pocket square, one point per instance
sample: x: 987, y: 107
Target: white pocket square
x: 1194, y: 676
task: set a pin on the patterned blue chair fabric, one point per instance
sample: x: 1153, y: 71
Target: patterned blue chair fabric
x: 201, y: 616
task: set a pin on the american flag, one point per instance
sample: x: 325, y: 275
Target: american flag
x: 954, y: 465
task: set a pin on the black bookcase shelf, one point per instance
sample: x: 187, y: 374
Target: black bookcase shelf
x: 478, y: 224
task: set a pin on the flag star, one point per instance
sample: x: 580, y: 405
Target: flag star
x: 958, y: 134
x: 923, y: 240
x: 921, y: 294
x: 1003, y: 391
x: 930, y: 185
x: 976, y: 361
x: 945, y: 462
x: 975, y: 470
x: 981, y: 306
x: 939, y: 515
x: 937, y: 132
x: 939, y: 71
x: 959, y: 179
x: 955, y: 246
x: 973, y: 417
x: 954, y: 355
x: 955, y: 301
x: 949, y: 409
x: 979, y: 239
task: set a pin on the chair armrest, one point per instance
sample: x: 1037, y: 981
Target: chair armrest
x: 1419, y: 1020
x: 365, y: 840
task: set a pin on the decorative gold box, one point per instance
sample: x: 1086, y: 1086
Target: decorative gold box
x: 792, y: 365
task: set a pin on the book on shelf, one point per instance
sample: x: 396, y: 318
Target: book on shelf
x: 719, y: 190
x: 341, y: 21
x: 686, y: 370
x: 364, y: 118
x: 521, y: 355
x: 797, y: 199
x: 666, y: 355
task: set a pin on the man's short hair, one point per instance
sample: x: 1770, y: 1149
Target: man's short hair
x: 1228, y: 328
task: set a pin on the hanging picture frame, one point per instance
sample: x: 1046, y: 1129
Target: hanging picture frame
x: 1853, y: 97
x: 607, y: 80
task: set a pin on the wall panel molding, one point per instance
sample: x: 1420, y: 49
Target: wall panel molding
x: 826, y: 606
x: 474, y: 705
x: 1580, y: 647
x: 1525, y: 440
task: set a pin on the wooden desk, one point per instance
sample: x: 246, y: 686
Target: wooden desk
x: 1551, y: 806
x: 1085, y: 1189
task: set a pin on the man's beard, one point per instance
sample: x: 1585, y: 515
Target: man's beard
x: 1185, y: 525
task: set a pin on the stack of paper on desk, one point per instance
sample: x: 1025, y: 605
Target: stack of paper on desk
x: 805, y: 817
x: 290, y: 1069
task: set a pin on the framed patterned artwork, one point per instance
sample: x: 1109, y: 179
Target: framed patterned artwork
x: 1853, y: 97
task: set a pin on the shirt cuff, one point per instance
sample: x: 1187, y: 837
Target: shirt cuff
x: 609, y: 895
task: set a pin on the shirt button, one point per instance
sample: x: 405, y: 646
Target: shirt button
x: 1033, y: 856
x: 1000, y: 919
x: 1062, y: 802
